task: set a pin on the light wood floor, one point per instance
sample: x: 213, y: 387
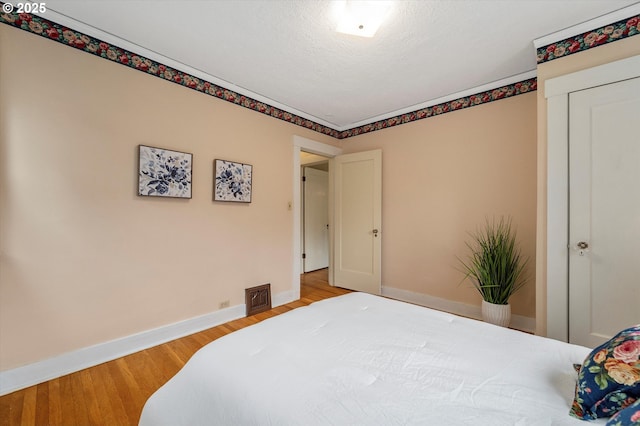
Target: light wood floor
x: 113, y: 393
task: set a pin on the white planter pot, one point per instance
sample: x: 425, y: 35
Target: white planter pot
x: 496, y: 314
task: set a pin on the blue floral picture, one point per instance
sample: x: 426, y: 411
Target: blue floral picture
x: 164, y: 173
x: 232, y: 181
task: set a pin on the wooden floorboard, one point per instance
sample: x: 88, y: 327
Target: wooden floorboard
x: 114, y: 393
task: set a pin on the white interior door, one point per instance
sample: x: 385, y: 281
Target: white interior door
x: 357, y: 218
x: 316, y: 219
x: 604, y: 211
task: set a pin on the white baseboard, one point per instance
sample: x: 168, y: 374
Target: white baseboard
x: 518, y: 322
x: 70, y: 362
x: 283, y: 298
x: 51, y: 368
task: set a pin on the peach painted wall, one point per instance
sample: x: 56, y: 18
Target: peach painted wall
x: 83, y: 259
x: 442, y: 177
x: 589, y: 58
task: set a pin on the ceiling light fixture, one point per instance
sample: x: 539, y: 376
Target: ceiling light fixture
x: 360, y: 17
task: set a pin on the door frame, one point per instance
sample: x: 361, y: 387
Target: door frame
x: 557, y: 92
x: 303, y: 144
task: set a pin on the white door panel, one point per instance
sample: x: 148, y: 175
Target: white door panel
x: 316, y: 219
x: 358, y: 211
x: 604, y: 207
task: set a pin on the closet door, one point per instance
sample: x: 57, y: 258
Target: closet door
x: 604, y: 211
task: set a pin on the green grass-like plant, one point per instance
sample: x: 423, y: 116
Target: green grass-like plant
x: 495, y: 266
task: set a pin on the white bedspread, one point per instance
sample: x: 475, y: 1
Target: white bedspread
x: 359, y: 359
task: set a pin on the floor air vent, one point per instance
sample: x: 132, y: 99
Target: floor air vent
x: 258, y: 299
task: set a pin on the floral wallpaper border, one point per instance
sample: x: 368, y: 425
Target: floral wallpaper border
x: 67, y: 36
x: 617, y: 31
x: 503, y: 92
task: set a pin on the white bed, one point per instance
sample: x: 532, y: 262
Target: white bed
x: 359, y: 359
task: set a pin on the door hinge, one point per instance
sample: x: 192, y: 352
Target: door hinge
x: 304, y: 255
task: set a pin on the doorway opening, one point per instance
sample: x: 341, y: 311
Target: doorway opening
x: 326, y: 152
x: 314, y: 215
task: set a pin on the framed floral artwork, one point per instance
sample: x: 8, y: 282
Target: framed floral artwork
x: 232, y: 181
x: 164, y: 173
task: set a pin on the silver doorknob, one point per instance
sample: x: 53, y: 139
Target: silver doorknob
x: 582, y: 245
x: 375, y: 232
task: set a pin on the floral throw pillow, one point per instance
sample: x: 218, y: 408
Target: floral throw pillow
x: 609, y: 379
x: 630, y: 416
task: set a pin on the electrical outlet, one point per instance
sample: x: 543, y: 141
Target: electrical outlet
x: 224, y: 304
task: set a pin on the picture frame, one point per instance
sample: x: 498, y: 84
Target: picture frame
x: 164, y: 172
x: 232, y: 181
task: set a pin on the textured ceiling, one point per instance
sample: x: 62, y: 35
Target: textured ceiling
x: 287, y: 52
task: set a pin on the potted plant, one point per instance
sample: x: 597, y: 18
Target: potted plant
x: 495, y: 268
